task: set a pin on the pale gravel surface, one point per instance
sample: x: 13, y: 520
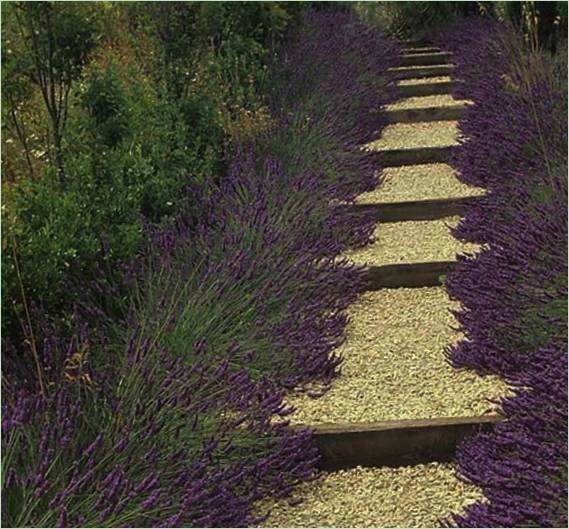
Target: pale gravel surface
x: 411, y: 135
x: 419, y: 182
x: 425, y: 80
x: 440, y: 100
x: 417, y: 67
x: 394, y: 364
x: 417, y: 496
x: 411, y: 242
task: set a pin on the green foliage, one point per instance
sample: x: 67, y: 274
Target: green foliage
x: 411, y: 19
x: 147, y: 95
x: 105, y: 102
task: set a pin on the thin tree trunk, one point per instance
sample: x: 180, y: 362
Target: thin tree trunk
x: 22, y: 136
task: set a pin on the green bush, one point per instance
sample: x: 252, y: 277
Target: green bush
x: 150, y: 111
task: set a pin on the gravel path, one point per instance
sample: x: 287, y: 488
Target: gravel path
x: 419, y: 182
x: 412, y: 242
x: 417, y: 496
x: 417, y: 67
x: 443, y: 100
x: 425, y: 80
x: 410, y: 135
x: 394, y: 364
x: 394, y: 354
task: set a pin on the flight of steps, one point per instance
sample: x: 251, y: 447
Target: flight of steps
x: 424, y: 71
x: 420, y: 440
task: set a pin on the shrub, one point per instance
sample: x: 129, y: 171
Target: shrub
x: 514, y: 292
x: 148, y: 106
x: 160, y: 401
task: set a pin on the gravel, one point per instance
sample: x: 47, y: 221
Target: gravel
x: 394, y: 364
x: 425, y: 80
x: 412, y: 242
x: 442, y: 100
x: 419, y: 182
x: 417, y: 67
x: 411, y: 135
x: 417, y: 496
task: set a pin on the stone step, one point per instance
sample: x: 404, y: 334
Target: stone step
x: 395, y: 443
x: 418, y: 59
x: 413, y: 210
x: 426, y: 89
x: 411, y: 72
x: 414, y: 156
x: 414, y: 115
x: 408, y: 275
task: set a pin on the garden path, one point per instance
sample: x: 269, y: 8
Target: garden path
x: 388, y: 426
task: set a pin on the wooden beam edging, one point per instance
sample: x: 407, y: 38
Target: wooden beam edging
x: 432, y: 209
x: 408, y: 50
x: 415, y: 155
x: 408, y: 275
x: 395, y: 443
x: 426, y: 89
x: 416, y: 115
x: 412, y: 72
x: 425, y: 58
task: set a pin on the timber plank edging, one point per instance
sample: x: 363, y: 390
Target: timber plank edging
x: 410, y: 50
x: 411, y: 210
x: 415, y: 156
x: 394, y: 443
x: 407, y: 275
x: 414, y: 115
x: 413, y: 72
x: 426, y: 89
x: 425, y: 58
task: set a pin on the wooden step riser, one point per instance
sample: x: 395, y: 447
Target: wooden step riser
x: 413, y: 210
x: 427, y: 89
x: 414, y: 43
x: 424, y: 71
x: 424, y: 59
x: 408, y: 275
x: 395, y: 443
x: 409, y: 50
x: 416, y: 115
x: 399, y: 157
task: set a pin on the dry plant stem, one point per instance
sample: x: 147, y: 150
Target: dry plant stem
x: 412, y: 242
x: 417, y: 496
x: 31, y: 339
x: 395, y: 367
x: 418, y: 182
x: 413, y: 135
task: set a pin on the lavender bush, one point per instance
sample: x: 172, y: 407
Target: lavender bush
x: 513, y: 293
x: 160, y: 404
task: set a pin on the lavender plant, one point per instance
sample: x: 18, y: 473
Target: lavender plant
x: 163, y: 405
x: 513, y: 294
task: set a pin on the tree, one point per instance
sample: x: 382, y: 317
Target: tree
x: 57, y: 38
